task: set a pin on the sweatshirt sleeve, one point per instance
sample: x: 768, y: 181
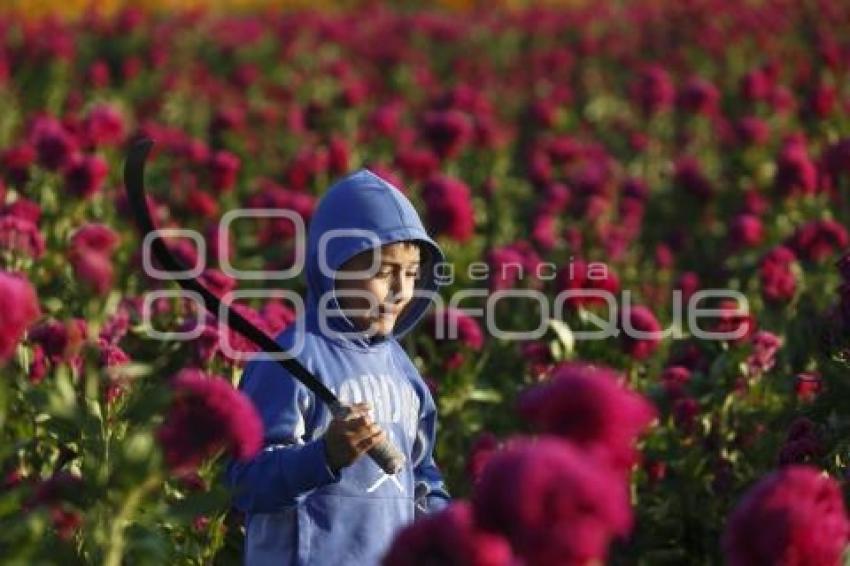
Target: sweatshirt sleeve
x: 430, y: 490
x: 289, y: 465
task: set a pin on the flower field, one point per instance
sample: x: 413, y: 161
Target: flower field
x: 681, y: 170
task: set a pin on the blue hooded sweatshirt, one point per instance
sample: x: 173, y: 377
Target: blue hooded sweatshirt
x: 297, y: 510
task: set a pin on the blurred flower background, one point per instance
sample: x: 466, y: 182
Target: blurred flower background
x: 641, y: 148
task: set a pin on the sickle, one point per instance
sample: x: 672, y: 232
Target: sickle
x: 385, y: 455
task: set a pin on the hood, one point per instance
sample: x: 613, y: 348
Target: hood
x: 359, y: 212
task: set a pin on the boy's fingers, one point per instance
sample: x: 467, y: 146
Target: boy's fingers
x: 372, y: 440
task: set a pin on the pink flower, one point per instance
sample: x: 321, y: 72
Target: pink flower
x: 818, y: 239
x: 104, y: 125
x: 454, y: 331
x: 506, y: 264
x: 61, y: 341
x: 589, y: 406
x: 90, y: 255
x: 449, y: 207
x: 482, y: 448
x: 18, y: 310
x: 674, y: 379
x: 554, y: 503
x: 793, y: 516
x: 735, y: 320
x: 640, y: 319
x: 16, y: 162
x: 224, y: 167
x: 85, y: 175
x: 206, y: 415
x: 746, y: 231
x: 778, y: 281
x: 796, y: 173
x: 654, y: 91
x: 53, y: 144
x: 447, y: 131
x: 21, y: 236
x: 449, y: 536
x: 418, y: 164
x: 698, y: 96
x: 594, y: 278
x: 690, y: 177
x: 764, y: 347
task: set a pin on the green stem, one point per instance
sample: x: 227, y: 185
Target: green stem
x: 115, y: 550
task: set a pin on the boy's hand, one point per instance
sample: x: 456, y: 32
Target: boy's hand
x: 346, y: 439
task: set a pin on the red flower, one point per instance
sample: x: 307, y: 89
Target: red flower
x: 16, y: 162
x: 764, y: 347
x: 554, y: 503
x: 206, y: 415
x: 449, y: 537
x: 588, y: 406
x: 53, y: 144
x: 792, y: 516
x: 447, y: 131
x: 18, y: 310
x: 21, y: 236
x: 689, y: 177
x: 104, y: 125
x: 449, y: 205
x: 698, y: 96
x: 224, y: 167
x: 90, y: 254
x: 485, y: 445
x: 746, y: 231
x: 807, y: 385
x: 733, y: 319
x: 796, y: 173
x: 778, y: 281
x: 642, y: 320
x: 592, y: 277
x: 654, y: 91
x: 84, y: 175
x: 818, y: 239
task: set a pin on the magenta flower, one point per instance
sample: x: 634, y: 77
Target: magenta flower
x: 18, y: 310
x: 778, y: 281
x: 53, y: 144
x: 796, y: 173
x: 654, y: 90
x: 764, y: 347
x: 449, y: 207
x: 449, y: 537
x: 447, y: 132
x: 642, y: 320
x: 21, y: 236
x: 819, y: 239
x: 589, y: 406
x: 90, y: 255
x: 556, y: 504
x: 206, y: 415
x: 104, y: 126
x: 795, y: 515
x: 84, y: 175
x: 224, y: 166
x: 594, y: 278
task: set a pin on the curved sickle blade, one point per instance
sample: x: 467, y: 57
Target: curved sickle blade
x: 134, y: 173
x: 385, y: 454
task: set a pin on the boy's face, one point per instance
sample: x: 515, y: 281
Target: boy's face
x: 391, y: 287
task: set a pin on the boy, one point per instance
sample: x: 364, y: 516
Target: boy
x: 312, y: 496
